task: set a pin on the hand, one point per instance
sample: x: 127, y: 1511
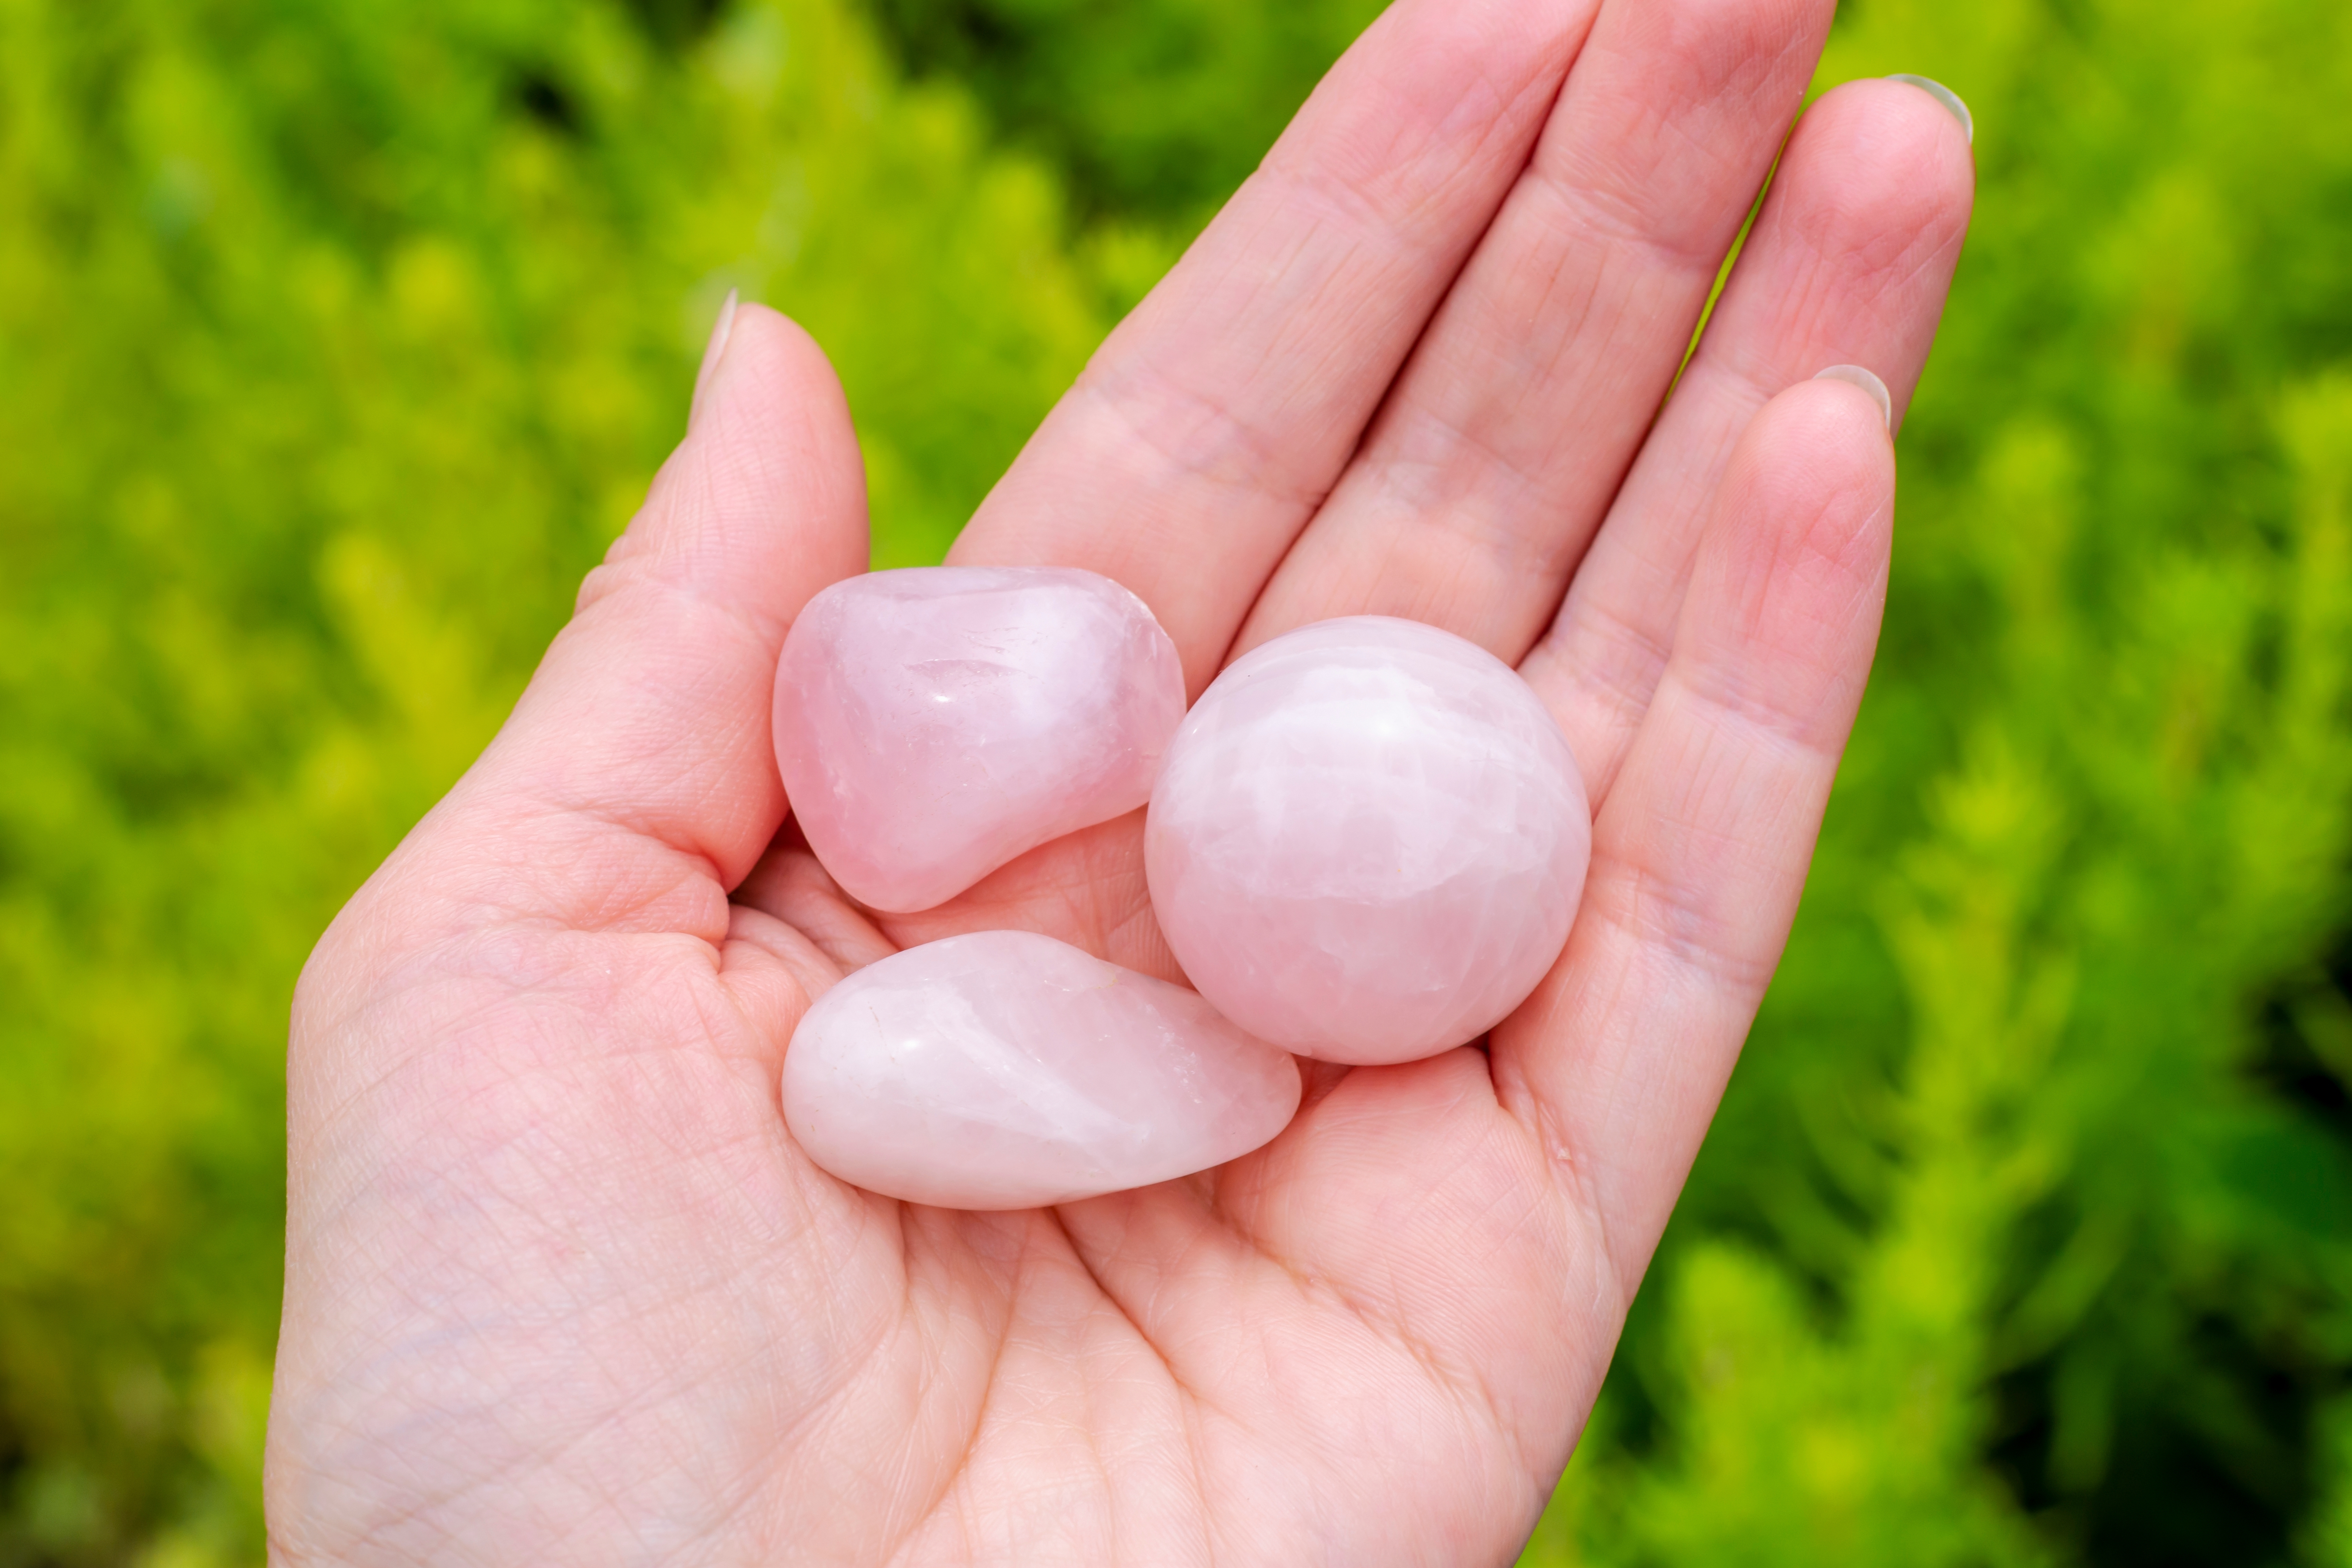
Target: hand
x: 560, y: 1289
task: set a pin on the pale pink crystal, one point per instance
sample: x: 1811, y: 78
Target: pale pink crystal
x: 1368, y: 841
x: 1004, y: 1069
x: 934, y: 722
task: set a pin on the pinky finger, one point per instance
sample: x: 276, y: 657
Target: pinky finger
x: 1701, y: 849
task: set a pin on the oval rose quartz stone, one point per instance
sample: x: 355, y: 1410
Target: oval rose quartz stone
x: 933, y: 722
x: 1368, y: 841
x: 1004, y: 1069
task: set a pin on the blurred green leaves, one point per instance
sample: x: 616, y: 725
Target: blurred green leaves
x: 1159, y: 107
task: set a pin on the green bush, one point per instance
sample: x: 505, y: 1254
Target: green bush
x: 338, y: 337
x: 1159, y: 107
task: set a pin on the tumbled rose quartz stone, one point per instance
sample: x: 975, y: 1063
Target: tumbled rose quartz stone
x: 1368, y: 841
x: 1004, y: 1069
x: 934, y: 722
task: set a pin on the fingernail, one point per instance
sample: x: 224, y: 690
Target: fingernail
x: 1855, y: 376
x: 716, y: 352
x: 1945, y: 96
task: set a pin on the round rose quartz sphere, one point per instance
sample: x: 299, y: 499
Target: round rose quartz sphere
x: 1368, y: 841
x: 1004, y: 1069
x: 932, y: 724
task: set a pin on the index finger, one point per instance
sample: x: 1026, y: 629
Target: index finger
x: 1209, y: 427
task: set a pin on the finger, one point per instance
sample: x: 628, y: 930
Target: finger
x: 1215, y: 419
x: 1700, y: 852
x: 648, y: 720
x: 1849, y: 264
x: 1493, y: 461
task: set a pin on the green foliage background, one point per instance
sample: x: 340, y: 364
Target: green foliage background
x: 338, y: 337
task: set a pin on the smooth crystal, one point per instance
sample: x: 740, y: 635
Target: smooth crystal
x: 932, y: 724
x: 1368, y: 841
x: 1004, y: 1069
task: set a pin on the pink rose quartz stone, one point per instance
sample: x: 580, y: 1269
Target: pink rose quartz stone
x: 1368, y: 841
x: 1004, y: 1069
x: 934, y: 722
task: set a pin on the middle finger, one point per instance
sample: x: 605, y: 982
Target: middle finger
x: 1487, y: 473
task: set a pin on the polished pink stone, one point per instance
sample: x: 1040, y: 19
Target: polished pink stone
x: 1368, y: 841
x: 932, y: 724
x: 1004, y: 1069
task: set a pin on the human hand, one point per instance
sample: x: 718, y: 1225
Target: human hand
x: 560, y: 1289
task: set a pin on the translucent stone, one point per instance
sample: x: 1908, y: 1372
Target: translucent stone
x: 1368, y: 841
x: 934, y: 722
x: 1004, y: 1069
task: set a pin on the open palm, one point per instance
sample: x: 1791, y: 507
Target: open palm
x: 561, y: 1288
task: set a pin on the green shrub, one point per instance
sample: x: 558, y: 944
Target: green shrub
x: 1159, y: 107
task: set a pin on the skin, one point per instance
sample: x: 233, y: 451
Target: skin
x: 560, y: 1289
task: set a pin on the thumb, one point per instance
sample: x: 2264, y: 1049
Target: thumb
x: 638, y: 761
